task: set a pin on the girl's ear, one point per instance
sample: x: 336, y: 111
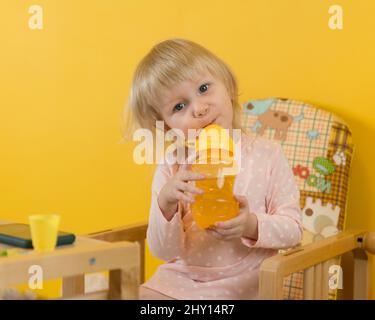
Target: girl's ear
x: 231, y: 98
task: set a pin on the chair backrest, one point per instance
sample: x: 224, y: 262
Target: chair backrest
x: 319, y: 149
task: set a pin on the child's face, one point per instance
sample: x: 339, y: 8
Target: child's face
x: 196, y: 104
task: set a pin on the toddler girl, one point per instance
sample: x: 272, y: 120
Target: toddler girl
x: 188, y: 87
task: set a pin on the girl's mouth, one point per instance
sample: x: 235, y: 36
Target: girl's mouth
x: 212, y: 122
x: 190, y: 143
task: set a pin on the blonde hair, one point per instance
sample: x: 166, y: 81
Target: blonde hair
x: 170, y: 62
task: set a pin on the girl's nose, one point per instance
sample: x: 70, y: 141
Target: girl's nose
x: 201, y: 110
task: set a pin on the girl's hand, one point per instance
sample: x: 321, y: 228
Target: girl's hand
x: 244, y: 225
x: 178, y: 188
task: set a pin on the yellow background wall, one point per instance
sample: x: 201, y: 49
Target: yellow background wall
x: 63, y: 88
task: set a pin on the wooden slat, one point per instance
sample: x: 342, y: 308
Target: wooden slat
x: 325, y: 278
x: 318, y: 281
x: 308, y: 284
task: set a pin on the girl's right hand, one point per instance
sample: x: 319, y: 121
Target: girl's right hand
x: 178, y: 188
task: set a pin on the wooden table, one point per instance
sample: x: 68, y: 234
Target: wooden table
x: 71, y: 262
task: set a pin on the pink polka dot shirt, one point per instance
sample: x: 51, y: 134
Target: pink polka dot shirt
x: 198, y: 265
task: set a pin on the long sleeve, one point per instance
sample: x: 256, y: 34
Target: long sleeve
x: 165, y: 238
x: 281, y: 226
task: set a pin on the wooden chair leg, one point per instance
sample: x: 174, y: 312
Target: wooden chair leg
x: 270, y: 286
x: 73, y: 286
x: 360, y: 290
x: 124, y: 284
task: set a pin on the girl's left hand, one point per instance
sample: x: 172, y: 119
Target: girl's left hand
x: 244, y: 225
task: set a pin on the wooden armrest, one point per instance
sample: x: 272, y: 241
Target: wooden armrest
x: 303, y: 257
x: 274, y: 269
x: 132, y: 232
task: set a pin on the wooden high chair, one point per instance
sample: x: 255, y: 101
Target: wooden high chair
x: 329, y: 263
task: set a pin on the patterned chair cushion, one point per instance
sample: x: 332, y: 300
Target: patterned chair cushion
x: 319, y: 149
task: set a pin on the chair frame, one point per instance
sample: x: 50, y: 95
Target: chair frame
x: 312, y: 258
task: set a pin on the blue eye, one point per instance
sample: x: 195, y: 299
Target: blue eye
x: 203, y: 88
x: 178, y: 106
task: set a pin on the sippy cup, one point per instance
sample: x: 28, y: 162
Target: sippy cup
x: 214, y: 158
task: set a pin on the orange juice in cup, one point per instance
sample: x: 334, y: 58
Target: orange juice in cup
x: 214, y: 158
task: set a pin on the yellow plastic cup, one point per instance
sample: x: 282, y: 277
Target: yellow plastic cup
x: 44, y: 229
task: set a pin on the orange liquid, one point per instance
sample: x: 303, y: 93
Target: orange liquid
x: 217, y: 203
